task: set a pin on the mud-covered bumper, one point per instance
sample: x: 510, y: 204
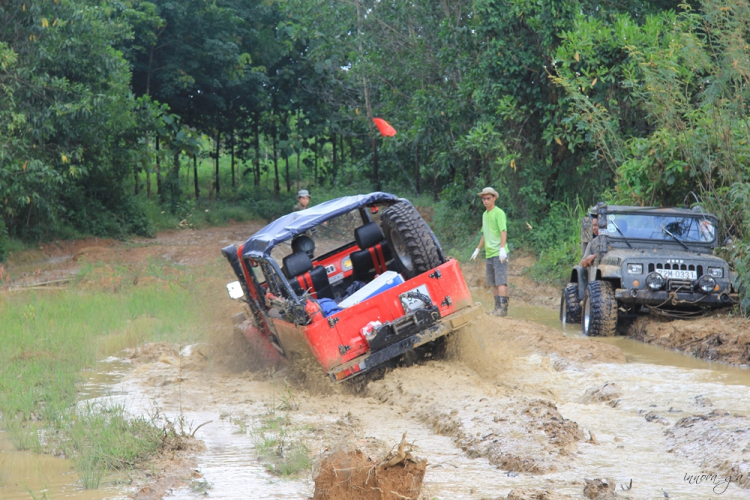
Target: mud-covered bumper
x: 372, y: 360
x: 674, y: 299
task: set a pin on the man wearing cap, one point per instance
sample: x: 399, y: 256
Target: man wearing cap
x: 303, y: 199
x: 494, y: 234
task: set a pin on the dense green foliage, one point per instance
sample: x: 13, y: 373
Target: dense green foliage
x: 556, y: 103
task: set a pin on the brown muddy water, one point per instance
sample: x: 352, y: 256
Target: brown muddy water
x: 448, y: 411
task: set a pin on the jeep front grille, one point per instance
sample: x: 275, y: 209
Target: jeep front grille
x: 681, y: 267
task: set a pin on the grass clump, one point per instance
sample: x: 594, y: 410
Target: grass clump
x: 103, y: 438
x: 278, y: 443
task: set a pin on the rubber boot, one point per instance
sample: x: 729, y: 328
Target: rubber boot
x: 501, y: 306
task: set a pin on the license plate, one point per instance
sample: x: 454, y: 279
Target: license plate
x: 676, y: 274
x: 413, y: 303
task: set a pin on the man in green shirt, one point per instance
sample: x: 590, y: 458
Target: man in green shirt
x: 494, y: 234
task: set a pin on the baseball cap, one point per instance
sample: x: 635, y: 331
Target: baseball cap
x: 303, y: 192
x: 488, y: 190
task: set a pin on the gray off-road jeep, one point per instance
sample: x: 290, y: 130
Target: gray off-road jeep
x: 652, y: 259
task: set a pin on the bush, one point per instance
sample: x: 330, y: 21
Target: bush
x: 558, y: 240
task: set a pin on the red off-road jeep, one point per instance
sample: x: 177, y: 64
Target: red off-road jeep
x: 375, y: 286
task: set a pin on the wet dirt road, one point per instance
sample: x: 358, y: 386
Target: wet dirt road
x: 518, y: 403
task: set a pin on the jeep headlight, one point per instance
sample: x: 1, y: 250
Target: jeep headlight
x: 635, y: 268
x: 655, y: 281
x: 716, y: 272
x: 706, y: 284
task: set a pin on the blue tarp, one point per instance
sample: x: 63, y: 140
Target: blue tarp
x: 284, y: 228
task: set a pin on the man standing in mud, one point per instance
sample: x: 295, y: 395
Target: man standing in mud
x: 494, y: 235
x: 303, y: 200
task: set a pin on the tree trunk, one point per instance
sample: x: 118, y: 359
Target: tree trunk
x: 335, y: 164
x: 158, y: 168
x: 375, y: 177
x: 315, y: 171
x: 435, y: 185
x: 232, y: 141
x: 341, y: 152
x: 256, y: 131
x: 373, y: 137
x: 195, y: 177
x: 217, y: 187
x: 175, y: 184
x: 298, y: 155
x: 136, y: 171
x: 416, y: 168
x: 288, y: 180
x: 276, y: 185
x: 350, y: 140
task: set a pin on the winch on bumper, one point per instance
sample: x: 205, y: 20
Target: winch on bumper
x: 397, y: 337
x: 674, y: 298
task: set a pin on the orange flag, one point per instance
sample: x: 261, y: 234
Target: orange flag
x: 384, y: 127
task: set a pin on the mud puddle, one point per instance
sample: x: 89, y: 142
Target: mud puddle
x: 25, y: 475
x: 634, y: 350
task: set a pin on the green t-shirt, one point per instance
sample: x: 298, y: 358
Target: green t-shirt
x: 493, y: 224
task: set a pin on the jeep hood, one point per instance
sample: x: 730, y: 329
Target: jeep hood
x: 619, y: 255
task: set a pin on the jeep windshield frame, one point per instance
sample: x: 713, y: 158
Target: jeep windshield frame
x: 693, y: 230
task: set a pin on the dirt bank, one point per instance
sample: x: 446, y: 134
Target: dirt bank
x: 718, y: 336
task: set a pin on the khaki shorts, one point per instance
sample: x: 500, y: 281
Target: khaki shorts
x: 497, y: 272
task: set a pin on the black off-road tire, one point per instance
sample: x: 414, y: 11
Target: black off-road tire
x: 410, y: 240
x: 570, y: 306
x: 599, y: 310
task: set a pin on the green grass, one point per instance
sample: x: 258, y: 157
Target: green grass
x: 103, y: 438
x: 278, y: 443
x: 48, y: 338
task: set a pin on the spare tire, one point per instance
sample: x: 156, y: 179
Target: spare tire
x: 410, y: 240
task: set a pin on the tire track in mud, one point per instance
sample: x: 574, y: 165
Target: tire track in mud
x: 515, y: 434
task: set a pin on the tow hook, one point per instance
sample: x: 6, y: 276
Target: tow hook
x: 634, y: 292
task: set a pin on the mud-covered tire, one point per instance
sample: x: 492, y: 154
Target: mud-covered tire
x: 599, y: 310
x: 410, y: 240
x: 570, y: 306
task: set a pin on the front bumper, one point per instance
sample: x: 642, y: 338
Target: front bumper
x: 371, y: 360
x: 674, y: 299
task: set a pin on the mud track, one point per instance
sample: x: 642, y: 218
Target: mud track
x: 514, y: 410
